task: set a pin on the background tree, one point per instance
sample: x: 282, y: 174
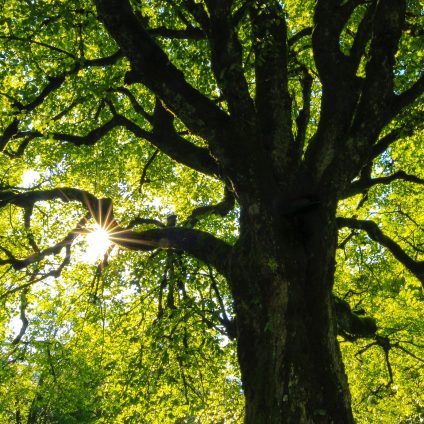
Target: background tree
x: 257, y: 168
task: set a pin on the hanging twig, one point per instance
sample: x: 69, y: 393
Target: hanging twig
x: 23, y: 317
x: 143, y: 178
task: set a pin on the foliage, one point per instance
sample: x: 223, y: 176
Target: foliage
x: 145, y: 336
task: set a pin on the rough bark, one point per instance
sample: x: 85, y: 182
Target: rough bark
x: 282, y: 278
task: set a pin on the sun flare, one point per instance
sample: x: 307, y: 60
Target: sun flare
x: 97, y: 243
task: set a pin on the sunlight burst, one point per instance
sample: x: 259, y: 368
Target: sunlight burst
x: 98, y: 242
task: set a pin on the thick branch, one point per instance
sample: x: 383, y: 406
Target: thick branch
x: 340, y: 94
x: 305, y: 32
x: 53, y: 84
x: 8, y: 133
x: 242, y: 12
x: 29, y: 198
x: 386, y: 141
x: 377, y: 92
x: 198, y: 12
x: 165, y: 138
x: 374, y: 232
x: 226, y: 58
x: 362, y: 36
x: 330, y: 18
x: 273, y: 102
x: 362, y: 185
x: 151, y: 66
x: 201, y: 245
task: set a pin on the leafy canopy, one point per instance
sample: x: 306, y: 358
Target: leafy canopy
x: 146, y: 336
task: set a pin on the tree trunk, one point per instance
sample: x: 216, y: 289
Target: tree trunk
x: 282, y: 277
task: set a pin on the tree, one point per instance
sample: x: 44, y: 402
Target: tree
x: 306, y: 117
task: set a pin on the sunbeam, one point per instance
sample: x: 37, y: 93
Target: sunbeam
x: 97, y: 244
